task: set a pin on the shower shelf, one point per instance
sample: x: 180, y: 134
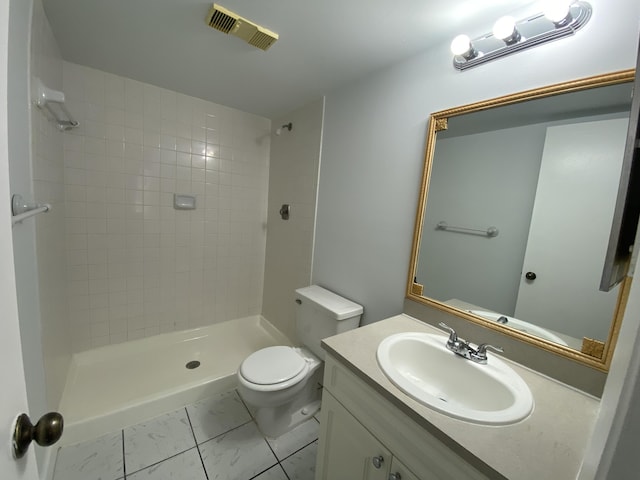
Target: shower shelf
x: 53, y: 102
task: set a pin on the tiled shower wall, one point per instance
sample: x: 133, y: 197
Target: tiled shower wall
x: 293, y: 180
x: 138, y: 267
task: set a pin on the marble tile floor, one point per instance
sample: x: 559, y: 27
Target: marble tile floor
x: 213, y: 439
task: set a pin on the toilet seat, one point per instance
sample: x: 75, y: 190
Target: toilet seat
x: 274, y: 366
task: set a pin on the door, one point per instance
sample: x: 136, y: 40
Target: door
x: 569, y: 233
x: 347, y: 450
x: 13, y: 399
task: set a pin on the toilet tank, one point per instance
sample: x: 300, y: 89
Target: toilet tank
x: 321, y: 314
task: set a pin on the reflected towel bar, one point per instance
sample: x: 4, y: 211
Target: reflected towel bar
x: 488, y: 232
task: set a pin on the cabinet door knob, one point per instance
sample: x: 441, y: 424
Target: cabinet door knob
x: 530, y: 275
x: 395, y: 476
x: 378, y: 461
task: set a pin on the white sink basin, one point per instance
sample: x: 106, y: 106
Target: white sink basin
x: 420, y: 365
x: 521, y: 325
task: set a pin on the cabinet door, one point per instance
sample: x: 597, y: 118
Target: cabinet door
x: 400, y: 472
x: 347, y: 450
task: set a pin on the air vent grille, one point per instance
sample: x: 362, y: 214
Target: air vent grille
x: 262, y: 40
x: 231, y: 23
x: 220, y: 19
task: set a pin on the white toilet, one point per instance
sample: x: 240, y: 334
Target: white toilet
x: 283, y: 383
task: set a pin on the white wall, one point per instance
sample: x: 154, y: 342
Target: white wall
x: 293, y: 179
x: 374, y: 138
x: 496, y: 188
x: 138, y: 267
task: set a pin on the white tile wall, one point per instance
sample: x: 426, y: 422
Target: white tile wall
x: 136, y: 266
x: 293, y: 180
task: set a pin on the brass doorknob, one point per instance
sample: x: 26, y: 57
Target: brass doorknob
x: 46, y: 432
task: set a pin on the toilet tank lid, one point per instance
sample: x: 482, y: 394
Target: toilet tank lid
x: 340, y: 307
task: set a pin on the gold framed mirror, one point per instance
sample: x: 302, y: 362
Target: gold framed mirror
x: 515, y: 210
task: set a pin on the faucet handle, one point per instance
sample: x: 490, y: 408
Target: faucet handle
x: 453, y: 336
x: 480, y: 355
x: 483, y: 347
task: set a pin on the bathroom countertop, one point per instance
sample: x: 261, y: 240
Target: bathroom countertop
x: 550, y: 443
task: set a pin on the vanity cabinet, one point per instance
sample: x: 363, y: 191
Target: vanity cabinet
x: 354, y: 453
x: 365, y: 437
x: 400, y: 472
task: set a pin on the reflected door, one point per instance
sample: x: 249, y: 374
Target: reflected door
x: 570, y: 226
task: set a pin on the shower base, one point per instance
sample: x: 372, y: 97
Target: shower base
x: 111, y: 387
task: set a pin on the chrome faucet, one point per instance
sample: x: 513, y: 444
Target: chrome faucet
x: 464, y: 348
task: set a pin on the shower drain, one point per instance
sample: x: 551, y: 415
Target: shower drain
x: 192, y: 364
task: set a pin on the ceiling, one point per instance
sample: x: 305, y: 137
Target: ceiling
x: 322, y: 44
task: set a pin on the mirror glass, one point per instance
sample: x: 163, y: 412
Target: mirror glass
x: 518, y: 200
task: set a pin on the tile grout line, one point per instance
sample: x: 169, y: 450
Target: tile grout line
x: 275, y: 456
x: 224, y: 433
x: 275, y: 465
x: 206, y: 475
x: 301, y: 448
x: 124, y: 462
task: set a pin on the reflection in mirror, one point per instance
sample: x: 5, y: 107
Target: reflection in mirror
x: 519, y: 206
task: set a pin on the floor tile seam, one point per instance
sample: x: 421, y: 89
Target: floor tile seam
x: 301, y: 448
x: 124, y: 463
x: 163, y: 460
x: 269, y: 468
x: 206, y: 474
x: 276, y: 457
x: 224, y: 433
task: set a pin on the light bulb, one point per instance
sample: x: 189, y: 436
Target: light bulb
x: 557, y: 10
x: 461, y: 45
x: 504, y: 28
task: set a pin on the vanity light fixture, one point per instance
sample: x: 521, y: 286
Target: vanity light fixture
x: 558, y: 11
x: 462, y: 46
x: 559, y: 19
x: 505, y: 29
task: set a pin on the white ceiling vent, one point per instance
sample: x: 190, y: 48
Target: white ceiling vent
x: 228, y: 22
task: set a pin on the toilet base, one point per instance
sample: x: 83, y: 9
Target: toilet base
x: 270, y: 421
x: 274, y: 421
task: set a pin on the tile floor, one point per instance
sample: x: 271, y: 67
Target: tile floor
x: 214, y: 439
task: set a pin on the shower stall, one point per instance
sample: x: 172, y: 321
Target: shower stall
x: 111, y: 271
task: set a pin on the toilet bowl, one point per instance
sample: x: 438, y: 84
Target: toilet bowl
x: 282, y: 384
